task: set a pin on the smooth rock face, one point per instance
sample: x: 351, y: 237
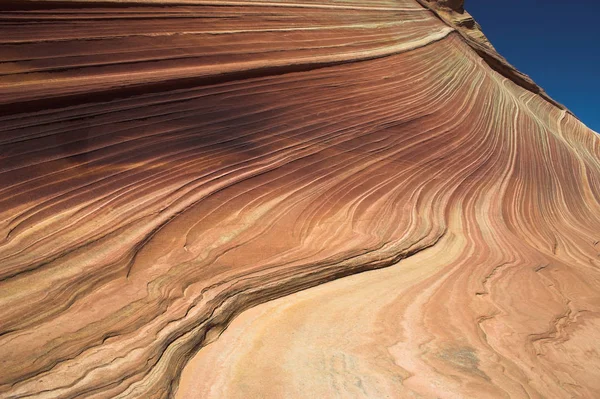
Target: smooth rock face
x: 167, y: 166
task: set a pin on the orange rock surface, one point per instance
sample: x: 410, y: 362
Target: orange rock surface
x: 388, y: 207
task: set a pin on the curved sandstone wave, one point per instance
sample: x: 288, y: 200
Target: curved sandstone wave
x: 167, y: 165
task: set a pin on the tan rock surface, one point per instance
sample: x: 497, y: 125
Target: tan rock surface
x: 166, y: 166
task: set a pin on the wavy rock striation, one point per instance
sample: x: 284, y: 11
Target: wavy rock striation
x: 166, y: 165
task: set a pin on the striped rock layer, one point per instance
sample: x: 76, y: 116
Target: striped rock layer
x: 167, y: 165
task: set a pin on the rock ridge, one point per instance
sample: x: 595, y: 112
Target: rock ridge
x: 454, y: 14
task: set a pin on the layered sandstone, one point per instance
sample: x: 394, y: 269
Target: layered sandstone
x: 166, y: 166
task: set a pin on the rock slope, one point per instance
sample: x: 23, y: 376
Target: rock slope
x: 168, y: 165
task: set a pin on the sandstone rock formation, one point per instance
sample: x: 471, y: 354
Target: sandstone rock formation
x: 166, y: 166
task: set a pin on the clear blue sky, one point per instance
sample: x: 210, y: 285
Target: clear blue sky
x: 555, y: 42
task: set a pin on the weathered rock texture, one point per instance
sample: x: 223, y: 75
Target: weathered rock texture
x: 165, y: 166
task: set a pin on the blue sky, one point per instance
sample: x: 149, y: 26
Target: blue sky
x: 555, y: 42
